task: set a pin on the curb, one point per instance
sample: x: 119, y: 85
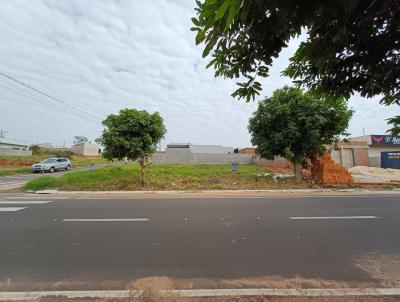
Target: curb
x: 277, y: 292
x: 396, y: 191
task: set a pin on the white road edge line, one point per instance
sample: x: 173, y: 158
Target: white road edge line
x: 11, y: 209
x: 288, y: 292
x: 333, y: 217
x: 25, y: 201
x: 106, y: 220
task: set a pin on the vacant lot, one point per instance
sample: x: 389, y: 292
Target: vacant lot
x: 11, y: 165
x: 166, y: 177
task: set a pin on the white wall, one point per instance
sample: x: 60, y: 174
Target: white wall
x: 216, y: 149
x: 13, y: 152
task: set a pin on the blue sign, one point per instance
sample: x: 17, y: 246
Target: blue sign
x: 385, y: 140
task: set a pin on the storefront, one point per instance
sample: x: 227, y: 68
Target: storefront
x: 381, y: 150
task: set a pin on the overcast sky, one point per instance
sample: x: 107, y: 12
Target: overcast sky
x: 102, y: 56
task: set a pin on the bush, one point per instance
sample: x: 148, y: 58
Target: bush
x: 41, y: 183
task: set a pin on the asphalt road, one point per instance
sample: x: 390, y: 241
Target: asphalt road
x: 108, y: 243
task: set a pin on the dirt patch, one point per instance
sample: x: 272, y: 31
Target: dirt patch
x: 382, y: 267
x: 165, y: 283
x: 297, y: 282
x: 392, y: 174
x: 153, y: 283
x: 10, y: 163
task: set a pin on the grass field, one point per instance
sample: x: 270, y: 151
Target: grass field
x: 165, y: 177
x: 11, y: 165
x: 14, y: 170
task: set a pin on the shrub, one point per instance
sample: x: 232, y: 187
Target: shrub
x: 41, y: 183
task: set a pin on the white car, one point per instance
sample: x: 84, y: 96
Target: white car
x: 52, y: 164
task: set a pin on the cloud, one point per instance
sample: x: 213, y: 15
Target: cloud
x: 107, y: 55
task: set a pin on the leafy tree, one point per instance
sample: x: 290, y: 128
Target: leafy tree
x: 352, y: 46
x: 133, y: 134
x: 297, y: 125
x: 79, y: 139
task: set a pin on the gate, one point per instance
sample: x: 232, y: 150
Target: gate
x: 390, y: 159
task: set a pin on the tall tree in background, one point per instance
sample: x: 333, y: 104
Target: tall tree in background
x: 133, y: 134
x: 79, y: 139
x: 352, y: 46
x: 297, y: 125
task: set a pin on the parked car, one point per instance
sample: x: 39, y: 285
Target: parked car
x: 52, y: 164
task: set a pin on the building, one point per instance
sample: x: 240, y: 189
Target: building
x: 86, y: 149
x: 247, y: 150
x: 366, y: 150
x: 200, y: 154
x: 214, y: 149
x: 10, y: 147
x: 50, y: 148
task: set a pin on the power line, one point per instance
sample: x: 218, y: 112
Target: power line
x: 37, y: 99
x: 50, y: 97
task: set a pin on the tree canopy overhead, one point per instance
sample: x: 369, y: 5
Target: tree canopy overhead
x: 352, y: 45
x: 133, y: 134
x: 297, y: 125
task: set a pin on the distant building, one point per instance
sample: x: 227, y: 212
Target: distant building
x: 10, y: 147
x: 86, y: 149
x: 214, y: 149
x: 366, y: 150
x: 248, y: 150
x: 51, y: 148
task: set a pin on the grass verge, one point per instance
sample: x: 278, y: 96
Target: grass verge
x: 166, y: 177
x: 41, y: 183
x: 12, y: 165
x: 13, y: 171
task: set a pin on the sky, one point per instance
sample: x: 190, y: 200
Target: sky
x: 103, y: 56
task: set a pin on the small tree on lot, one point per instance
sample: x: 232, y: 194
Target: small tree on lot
x: 132, y: 134
x: 297, y: 125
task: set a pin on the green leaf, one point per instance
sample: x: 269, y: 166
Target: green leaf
x: 235, y: 5
x: 195, y: 22
x: 200, y: 37
x: 209, y: 46
x: 222, y: 9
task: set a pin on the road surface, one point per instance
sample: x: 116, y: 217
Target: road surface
x: 55, y: 242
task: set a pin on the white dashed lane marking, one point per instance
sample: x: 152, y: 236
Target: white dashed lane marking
x: 106, y: 220
x: 11, y: 209
x: 333, y: 217
x: 24, y: 201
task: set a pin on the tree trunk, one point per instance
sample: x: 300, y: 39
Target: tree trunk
x: 297, y: 164
x: 142, y: 163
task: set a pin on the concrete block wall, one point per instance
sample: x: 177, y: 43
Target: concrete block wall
x: 178, y: 156
x: 14, y: 152
x: 277, y: 162
x: 158, y: 158
x: 182, y: 156
x: 374, y: 161
x: 350, y: 155
x: 212, y: 158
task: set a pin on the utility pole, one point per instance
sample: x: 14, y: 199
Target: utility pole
x: 3, y: 133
